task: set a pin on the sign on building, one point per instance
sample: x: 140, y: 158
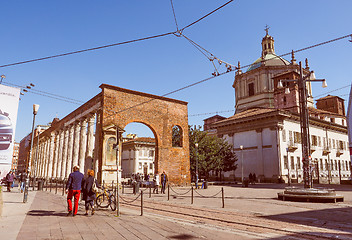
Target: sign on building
x: 9, y: 97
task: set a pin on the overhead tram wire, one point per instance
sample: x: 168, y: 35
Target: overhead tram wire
x: 114, y: 44
x: 47, y: 94
x: 173, y: 10
x: 349, y: 85
x: 228, y: 71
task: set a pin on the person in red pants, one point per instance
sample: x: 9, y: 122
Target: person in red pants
x: 73, y: 189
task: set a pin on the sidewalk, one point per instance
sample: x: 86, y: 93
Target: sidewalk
x: 13, y: 212
x: 44, y: 217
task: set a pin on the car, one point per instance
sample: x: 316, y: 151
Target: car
x: 6, y: 131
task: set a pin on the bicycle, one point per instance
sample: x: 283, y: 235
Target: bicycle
x: 106, y: 199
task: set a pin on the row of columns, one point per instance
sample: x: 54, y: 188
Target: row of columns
x: 55, y: 156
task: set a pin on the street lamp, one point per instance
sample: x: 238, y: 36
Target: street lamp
x: 37, y: 154
x: 2, y: 77
x: 304, y: 120
x: 196, y: 145
x: 241, y: 147
x: 25, y: 194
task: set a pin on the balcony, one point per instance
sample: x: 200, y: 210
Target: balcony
x: 292, y: 146
x: 339, y: 152
x: 326, y: 151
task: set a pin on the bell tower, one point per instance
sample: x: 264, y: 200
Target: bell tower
x: 267, y: 43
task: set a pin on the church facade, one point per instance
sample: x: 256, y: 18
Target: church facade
x: 265, y: 129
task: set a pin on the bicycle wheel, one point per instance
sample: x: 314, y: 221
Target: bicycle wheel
x: 112, y: 202
x: 102, y: 201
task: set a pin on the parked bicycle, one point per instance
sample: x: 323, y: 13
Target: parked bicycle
x: 106, y: 199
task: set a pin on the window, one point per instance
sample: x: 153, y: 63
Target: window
x: 319, y: 141
x: 285, y: 162
x: 333, y: 143
x: 347, y: 166
x: 335, y: 164
x: 151, y: 153
x: 140, y: 165
x: 150, y: 166
x: 314, y: 140
x: 177, y: 138
x: 290, y: 136
x: 326, y: 165
x: 321, y: 164
x: 292, y: 162
x: 284, y: 135
x: 297, y: 137
x: 298, y: 162
x: 250, y: 89
x: 340, y: 145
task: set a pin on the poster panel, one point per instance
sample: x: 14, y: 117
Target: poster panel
x: 9, y: 98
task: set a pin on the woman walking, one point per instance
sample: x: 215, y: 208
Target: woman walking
x: 90, y: 183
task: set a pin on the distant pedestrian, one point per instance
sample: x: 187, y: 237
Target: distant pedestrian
x: 197, y: 180
x: 250, y: 177
x: 23, y: 178
x: 73, y: 189
x: 89, y: 193
x: 10, y: 177
x: 156, y: 183
x: 254, y: 178
x: 164, y: 181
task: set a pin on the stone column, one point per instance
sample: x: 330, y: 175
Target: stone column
x: 69, y: 151
x: 59, y: 159
x: 56, y: 151
x: 82, y: 145
x: 77, y: 128
x: 51, y: 156
x: 90, y: 143
x: 46, y: 156
x: 98, y: 136
x: 64, y: 153
x: 40, y: 158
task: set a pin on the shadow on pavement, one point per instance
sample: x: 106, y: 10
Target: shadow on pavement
x: 331, y: 218
x: 183, y: 236
x: 46, y: 213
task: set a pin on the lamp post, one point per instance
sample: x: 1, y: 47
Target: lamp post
x: 304, y: 120
x: 288, y: 168
x: 37, y: 154
x: 241, y: 147
x: 196, y: 145
x: 26, y: 186
x: 2, y: 77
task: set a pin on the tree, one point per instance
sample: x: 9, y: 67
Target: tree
x: 213, y: 153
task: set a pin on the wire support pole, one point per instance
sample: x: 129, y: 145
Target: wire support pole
x: 304, y: 121
x: 222, y: 197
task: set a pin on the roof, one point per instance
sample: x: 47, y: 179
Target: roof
x: 249, y: 113
x: 141, y: 139
x: 329, y: 96
x: 270, y: 59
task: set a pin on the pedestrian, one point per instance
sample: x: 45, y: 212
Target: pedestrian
x: 250, y: 177
x: 23, y: 178
x: 254, y: 178
x: 156, y: 183
x: 10, y: 177
x: 73, y: 189
x: 89, y: 191
x: 164, y: 181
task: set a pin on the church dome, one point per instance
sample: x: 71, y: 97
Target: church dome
x: 269, y: 59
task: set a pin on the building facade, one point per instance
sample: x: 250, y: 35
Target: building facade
x: 265, y: 130
x: 138, y: 155
x: 90, y: 136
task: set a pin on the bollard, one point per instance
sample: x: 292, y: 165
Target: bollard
x: 112, y: 185
x: 56, y: 187
x: 46, y: 184
x: 123, y: 188
x: 192, y: 196
x: 50, y: 184
x: 150, y: 192
x: 33, y: 184
x: 168, y: 192
x: 142, y: 203
x: 103, y: 183
x: 223, y: 199
x: 63, y: 186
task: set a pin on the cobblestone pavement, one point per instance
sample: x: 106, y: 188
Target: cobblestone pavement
x: 249, y: 213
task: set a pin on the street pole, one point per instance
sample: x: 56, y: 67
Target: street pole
x: 26, y: 186
x: 241, y: 147
x: 197, y: 163
x: 288, y: 168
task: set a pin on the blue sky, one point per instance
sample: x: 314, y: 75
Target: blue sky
x: 34, y: 29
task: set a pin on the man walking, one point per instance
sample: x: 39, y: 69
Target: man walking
x: 73, y: 188
x: 163, y: 182
x: 23, y: 178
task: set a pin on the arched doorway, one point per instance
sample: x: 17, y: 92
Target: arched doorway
x: 163, y: 116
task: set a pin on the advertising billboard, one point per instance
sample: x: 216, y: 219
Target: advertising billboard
x: 9, y: 98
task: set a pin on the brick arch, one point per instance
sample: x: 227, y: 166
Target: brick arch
x: 122, y: 106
